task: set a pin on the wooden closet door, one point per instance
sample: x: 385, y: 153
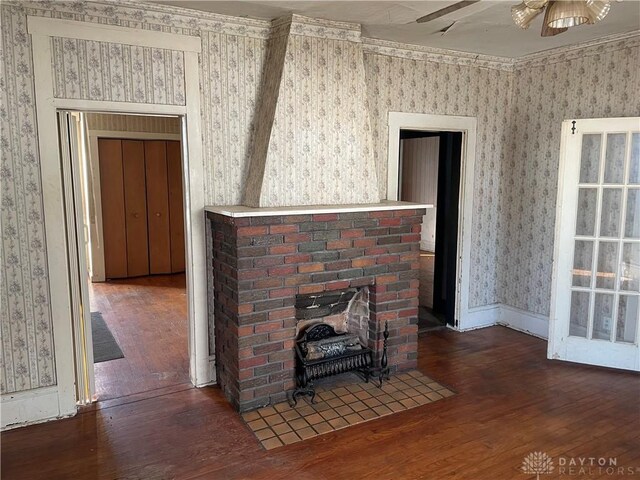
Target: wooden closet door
x: 135, y: 200
x: 158, y: 206
x: 176, y: 210
x: 113, y: 210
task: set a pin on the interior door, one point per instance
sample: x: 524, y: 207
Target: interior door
x: 113, y: 208
x: 595, y: 310
x: 446, y: 259
x: 158, y: 207
x: 135, y: 200
x: 176, y: 210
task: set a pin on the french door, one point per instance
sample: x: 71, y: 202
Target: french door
x: 595, y: 307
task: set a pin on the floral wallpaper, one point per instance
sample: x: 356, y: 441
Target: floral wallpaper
x: 118, y: 73
x: 264, y: 113
x: 599, y: 81
x: 319, y: 150
x: 514, y: 197
x: 26, y: 354
x: 232, y: 71
x: 398, y: 84
x: 83, y: 70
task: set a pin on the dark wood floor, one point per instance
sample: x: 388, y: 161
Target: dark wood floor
x: 511, y: 401
x: 148, y: 318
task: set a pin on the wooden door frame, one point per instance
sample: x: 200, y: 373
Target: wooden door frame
x: 450, y: 123
x: 41, y: 31
x: 97, y: 253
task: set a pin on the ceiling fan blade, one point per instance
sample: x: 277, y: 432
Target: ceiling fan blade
x: 447, y: 29
x: 446, y: 11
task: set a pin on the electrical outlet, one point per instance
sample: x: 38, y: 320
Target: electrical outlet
x: 606, y: 323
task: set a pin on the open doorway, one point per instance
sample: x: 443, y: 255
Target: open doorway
x: 429, y: 173
x: 127, y: 188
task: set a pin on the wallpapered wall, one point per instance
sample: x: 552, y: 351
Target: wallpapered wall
x: 231, y: 75
x: 600, y: 81
x: 117, y: 73
x: 420, y: 157
x: 83, y: 70
x: 233, y: 52
x: 265, y: 111
x: 319, y: 150
x: 27, y: 341
x: 424, y: 86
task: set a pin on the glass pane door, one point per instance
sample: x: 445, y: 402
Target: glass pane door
x: 606, y: 259
x: 596, y: 307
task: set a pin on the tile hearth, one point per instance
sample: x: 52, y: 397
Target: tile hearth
x: 342, y: 402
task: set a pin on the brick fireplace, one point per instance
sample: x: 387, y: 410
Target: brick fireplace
x: 261, y: 259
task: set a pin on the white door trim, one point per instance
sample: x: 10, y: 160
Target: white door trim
x: 449, y: 123
x: 121, y: 107
x: 193, y: 174
x: 97, y: 250
x: 30, y: 406
x: 71, y: 165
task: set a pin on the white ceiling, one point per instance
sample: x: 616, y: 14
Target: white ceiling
x: 485, y: 27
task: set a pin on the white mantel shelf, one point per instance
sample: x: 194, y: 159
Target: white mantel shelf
x: 238, y: 211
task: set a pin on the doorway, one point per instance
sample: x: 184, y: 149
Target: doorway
x: 126, y: 190
x: 429, y: 173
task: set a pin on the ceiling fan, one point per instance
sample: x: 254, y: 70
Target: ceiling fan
x: 448, y: 11
x: 559, y: 14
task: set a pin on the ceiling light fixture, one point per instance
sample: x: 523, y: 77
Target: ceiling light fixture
x: 560, y: 14
x: 568, y: 14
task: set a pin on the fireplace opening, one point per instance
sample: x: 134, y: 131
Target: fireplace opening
x: 333, y: 337
x: 347, y: 311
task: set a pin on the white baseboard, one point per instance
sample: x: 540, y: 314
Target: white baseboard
x: 507, y: 316
x: 479, y: 317
x: 31, y: 406
x: 523, y: 321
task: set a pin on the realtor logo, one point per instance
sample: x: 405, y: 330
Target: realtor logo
x: 537, y: 463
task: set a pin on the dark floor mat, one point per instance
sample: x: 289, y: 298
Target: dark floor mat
x: 105, y: 347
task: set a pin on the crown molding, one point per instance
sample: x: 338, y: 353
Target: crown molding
x: 173, y: 19
x: 322, y: 23
x: 438, y: 55
x: 315, y: 27
x: 546, y: 57
x: 136, y: 14
x: 579, y: 50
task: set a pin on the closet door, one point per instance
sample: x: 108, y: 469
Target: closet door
x: 176, y: 211
x: 135, y: 207
x: 158, y: 207
x: 113, y: 209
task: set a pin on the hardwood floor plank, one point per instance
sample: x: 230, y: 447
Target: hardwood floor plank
x: 510, y: 401
x: 148, y: 318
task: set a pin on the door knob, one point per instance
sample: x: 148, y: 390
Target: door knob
x: 157, y: 214
x: 136, y: 215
